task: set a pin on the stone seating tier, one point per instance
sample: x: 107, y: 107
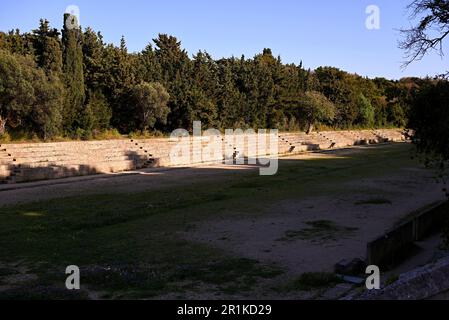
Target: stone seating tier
x: 39, y: 161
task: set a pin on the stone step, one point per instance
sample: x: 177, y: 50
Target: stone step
x: 78, y: 155
x: 55, y: 160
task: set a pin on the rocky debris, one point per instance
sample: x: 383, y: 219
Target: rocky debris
x: 422, y: 283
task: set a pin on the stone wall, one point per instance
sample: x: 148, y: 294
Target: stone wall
x: 39, y: 161
x: 390, y: 248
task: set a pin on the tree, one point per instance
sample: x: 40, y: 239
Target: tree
x: 17, y: 43
x: 366, y: 111
x: 200, y: 107
x: 97, y: 112
x: 430, y: 31
x: 228, y: 96
x: 93, y: 50
x: 317, y: 109
x: 101, y: 82
x: 339, y: 87
x: 429, y: 114
x: 289, y: 96
x: 172, y: 59
x: 149, y: 69
x: 176, y: 75
x: 28, y: 98
x: 16, y: 89
x: 47, y: 48
x: 429, y: 120
x: 2, y: 40
x: 150, y: 100
x: 117, y: 79
x: 46, y: 112
x: 204, y: 90
x: 73, y: 75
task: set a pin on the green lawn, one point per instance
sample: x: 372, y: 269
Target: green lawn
x: 127, y: 245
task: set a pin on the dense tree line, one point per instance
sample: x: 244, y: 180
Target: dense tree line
x: 71, y: 83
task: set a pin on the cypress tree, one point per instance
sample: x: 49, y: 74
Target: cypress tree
x: 73, y: 75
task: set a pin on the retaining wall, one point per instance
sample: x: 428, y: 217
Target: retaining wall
x: 391, y: 247
x: 40, y: 161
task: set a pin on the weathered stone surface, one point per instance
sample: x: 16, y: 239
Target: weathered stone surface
x: 422, y: 283
x: 39, y: 161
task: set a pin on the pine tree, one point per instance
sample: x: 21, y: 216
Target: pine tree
x: 205, y: 89
x: 173, y: 60
x: 98, y: 113
x: 118, y: 79
x: 148, y: 69
x: 93, y: 50
x: 176, y: 77
x: 16, y: 43
x: 47, y: 48
x: 229, y: 97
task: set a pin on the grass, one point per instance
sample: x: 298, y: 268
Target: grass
x: 130, y: 245
x: 319, y: 231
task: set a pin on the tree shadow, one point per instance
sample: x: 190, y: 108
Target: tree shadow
x: 21, y: 173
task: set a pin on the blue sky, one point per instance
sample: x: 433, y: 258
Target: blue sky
x: 327, y: 32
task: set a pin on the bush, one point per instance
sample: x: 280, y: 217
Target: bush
x: 4, y: 138
x: 82, y: 134
x: 109, y: 134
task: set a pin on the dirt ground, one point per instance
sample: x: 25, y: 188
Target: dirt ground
x: 278, y: 236
x: 307, y: 234
x: 136, y: 181
x: 133, y: 181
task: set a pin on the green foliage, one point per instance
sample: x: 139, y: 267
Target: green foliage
x: 429, y: 114
x: 47, y: 48
x: 317, y: 108
x: 366, y: 111
x: 429, y: 118
x: 46, y: 113
x: 16, y: 89
x: 93, y: 50
x: 29, y: 98
x: 2, y: 40
x: 73, y: 77
x: 88, y: 86
x: 97, y: 112
x: 150, y: 100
